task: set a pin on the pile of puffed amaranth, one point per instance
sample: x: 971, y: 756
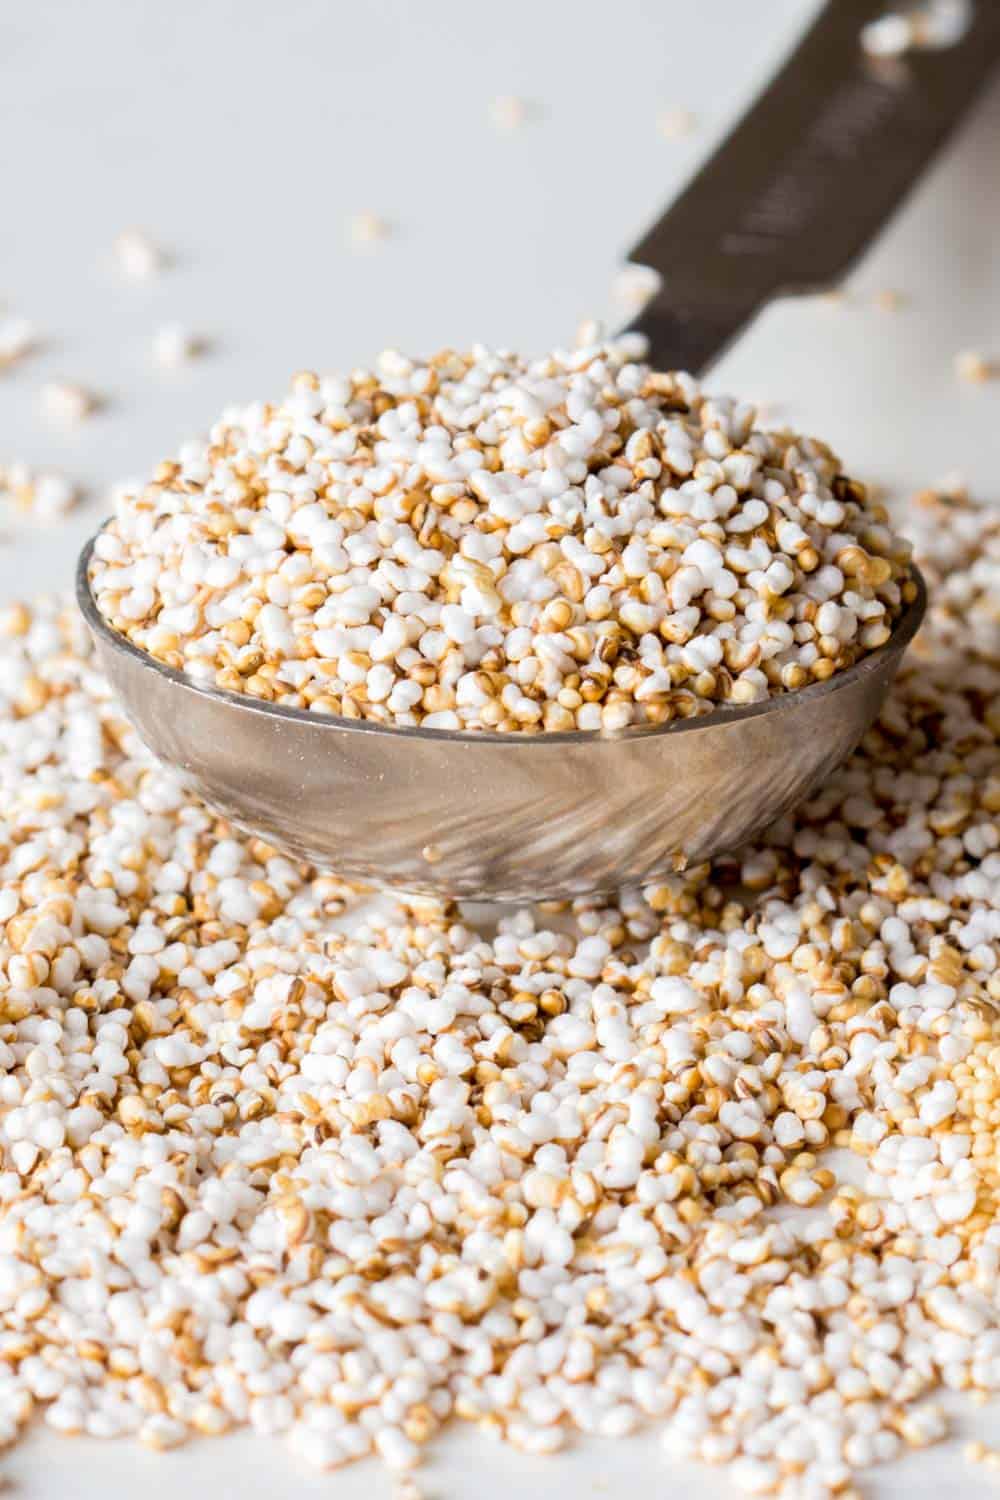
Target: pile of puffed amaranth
x: 341, y: 1170
x: 483, y: 542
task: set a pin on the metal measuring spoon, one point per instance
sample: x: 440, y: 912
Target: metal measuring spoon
x: 785, y: 205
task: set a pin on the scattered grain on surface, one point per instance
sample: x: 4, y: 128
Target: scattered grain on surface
x: 18, y: 337
x: 509, y: 112
x: 675, y: 123
x: 138, y: 256
x: 42, y: 494
x: 67, y: 402
x: 973, y: 367
x: 720, y: 1155
x: 175, y: 345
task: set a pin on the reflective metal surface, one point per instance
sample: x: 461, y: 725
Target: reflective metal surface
x: 765, y: 216
x: 500, y: 817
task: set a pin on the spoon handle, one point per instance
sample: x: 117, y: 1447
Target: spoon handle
x: 807, y: 178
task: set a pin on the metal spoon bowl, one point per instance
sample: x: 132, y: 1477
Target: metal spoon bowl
x: 503, y: 817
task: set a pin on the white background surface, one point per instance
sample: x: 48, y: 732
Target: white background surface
x: 244, y: 135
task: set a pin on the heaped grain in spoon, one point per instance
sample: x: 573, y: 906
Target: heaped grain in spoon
x: 577, y: 542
